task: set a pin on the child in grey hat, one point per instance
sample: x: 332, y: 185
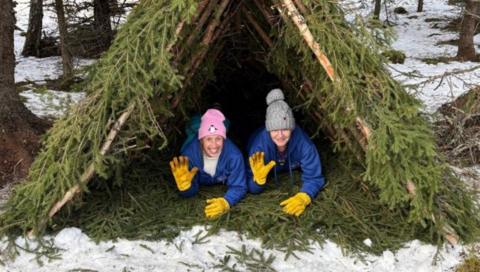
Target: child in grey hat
x: 285, y: 147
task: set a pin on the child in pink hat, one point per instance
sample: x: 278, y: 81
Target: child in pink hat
x: 212, y: 159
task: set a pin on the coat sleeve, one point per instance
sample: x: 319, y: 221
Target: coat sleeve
x: 237, y: 187
x: 312, y: 176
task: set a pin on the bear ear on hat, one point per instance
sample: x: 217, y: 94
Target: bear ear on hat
x: 274, y: 95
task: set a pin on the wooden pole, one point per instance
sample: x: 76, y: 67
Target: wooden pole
x: 207, y: 40
x: 299, y: 21
x: 90, y: 171
x: 360, y: 123
x: 206, y: 11
x: 301, y: 7
x: 258, y: 28
x: 268, y: 16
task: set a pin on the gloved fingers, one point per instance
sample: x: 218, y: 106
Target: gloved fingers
x: 261, y: 157
x: 254, y: 159
x: 215, y: 209
x: 211, y: 200
x: 286, y: 201
x: 252, y: 162
x: 212, y: 215
x: 258, y: 157
x: 285, y: 210
x: 172, y: 166
x: 185, y: 161
x: 194, y: 171
x: 176, y: 162
x: 292, y: 209
x: 270, y: 165
x: 220, y: 202
x: 181, y: 161
x: 299, y: 211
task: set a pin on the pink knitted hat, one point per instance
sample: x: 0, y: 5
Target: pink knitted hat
x: 212, y: 124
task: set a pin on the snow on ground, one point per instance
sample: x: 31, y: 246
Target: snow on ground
x: 416, y: 38
x: 46, y: 103
x: 50, y: 103
x: 185, y: 252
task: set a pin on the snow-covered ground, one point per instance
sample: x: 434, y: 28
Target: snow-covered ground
x: 45, y: 102
x: 416, y: 38
x: 77, y: 252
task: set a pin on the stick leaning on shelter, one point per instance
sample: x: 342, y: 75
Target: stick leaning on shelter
x: 90, y: 171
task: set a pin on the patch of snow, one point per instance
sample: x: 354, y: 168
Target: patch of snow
x: 419, y: 37
x: 470, y: 175
x: 367, y: 242
x: 78, y: 251
x: 50, y: 103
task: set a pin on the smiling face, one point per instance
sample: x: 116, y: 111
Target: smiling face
x: 212, y: 145
x: 281, y: 137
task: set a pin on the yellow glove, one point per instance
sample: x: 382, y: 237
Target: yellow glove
x: 296, y: 204
x: 182, y: 176
x: 216, y: 207
x: 259, y: 169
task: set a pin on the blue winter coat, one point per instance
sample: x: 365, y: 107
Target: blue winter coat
x: 300, y: 153
x: 230, y: 171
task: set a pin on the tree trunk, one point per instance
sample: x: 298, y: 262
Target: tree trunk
x: 420, y: 6
x: 376, y: 10
x: 466, y: 48
x: 101, y: 13
x: 62, y: 27
x: 34, y: 32
x: 19, y: 128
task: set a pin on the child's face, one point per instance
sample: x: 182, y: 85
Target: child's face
x: 212, y: 145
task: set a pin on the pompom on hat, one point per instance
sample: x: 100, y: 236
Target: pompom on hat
x: 279, y: 114
x: 212, y: 124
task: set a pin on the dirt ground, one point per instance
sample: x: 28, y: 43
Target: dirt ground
x: 458, y: 132
x: 15, y: 158
x: 18, y: 148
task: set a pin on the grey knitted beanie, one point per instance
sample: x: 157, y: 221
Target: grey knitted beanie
x: 279, y: 114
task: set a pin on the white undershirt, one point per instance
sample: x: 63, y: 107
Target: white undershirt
x: 210, y: 164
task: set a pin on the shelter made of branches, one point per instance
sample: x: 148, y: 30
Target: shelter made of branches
x: 164, y: 57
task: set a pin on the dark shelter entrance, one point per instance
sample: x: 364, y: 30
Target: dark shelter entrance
x: 239, y: 89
